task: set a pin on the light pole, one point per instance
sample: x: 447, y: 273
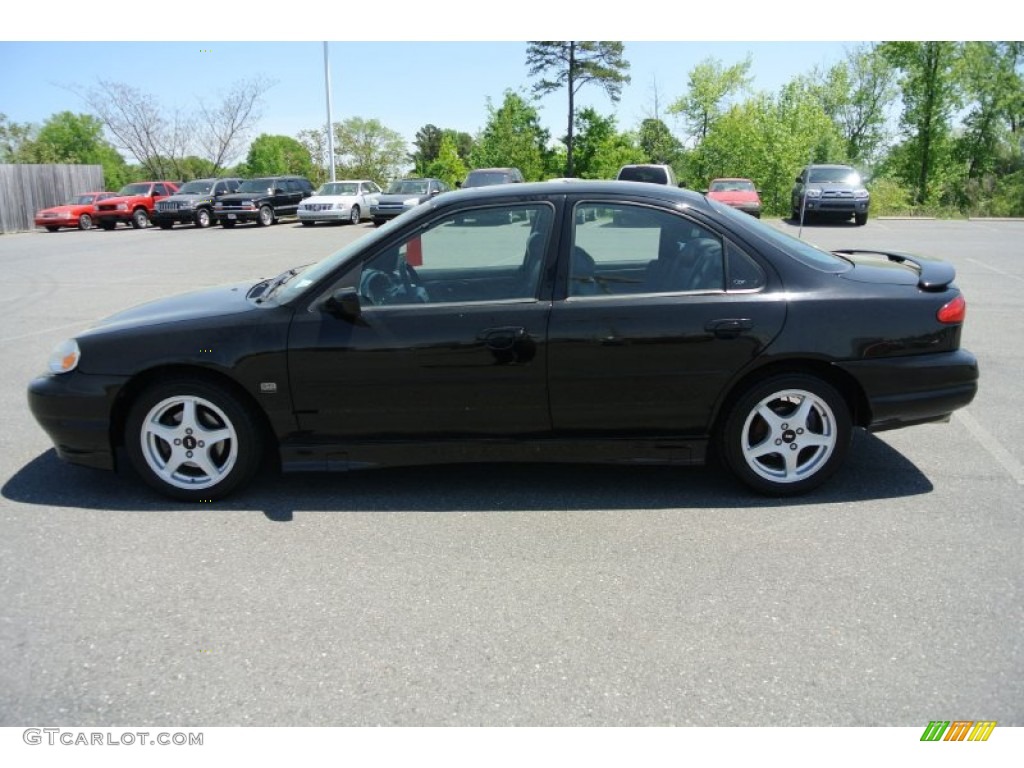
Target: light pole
x: 330, y: 124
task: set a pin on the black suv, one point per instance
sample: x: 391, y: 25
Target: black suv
x: 263, y: 200
x: 830, y: 190
x: 193, y: 203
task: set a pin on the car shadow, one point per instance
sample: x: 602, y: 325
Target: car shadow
x: 827, y: 223
x: 873, y: 470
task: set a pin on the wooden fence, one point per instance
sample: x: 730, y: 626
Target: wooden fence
x: 25, y: 189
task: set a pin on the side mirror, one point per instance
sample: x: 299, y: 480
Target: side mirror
x: 799, y: 180
x: 344, y: 304
x: 703, y: 191
x: 458, y: 185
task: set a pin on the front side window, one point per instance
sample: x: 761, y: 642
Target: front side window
x: 621, y: 249
x: 482, y: 254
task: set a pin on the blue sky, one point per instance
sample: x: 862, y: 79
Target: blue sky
x: 415, y: 79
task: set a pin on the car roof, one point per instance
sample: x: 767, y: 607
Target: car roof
x: 829, y: 165
x: 627, y: 189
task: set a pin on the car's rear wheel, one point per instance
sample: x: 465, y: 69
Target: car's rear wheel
x: 203, y: 219
x: 265, y: 217
x: 786, y: 434
x: 192, y: 440
x: 85, y: 221
x: 354, y: 216
x: 140, y: 219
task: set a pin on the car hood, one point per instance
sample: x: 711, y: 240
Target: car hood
x: 395, y: 197
x: 67, y: 208
x: 346, y: 199
x: 206, y: 303
x: 188, y: 197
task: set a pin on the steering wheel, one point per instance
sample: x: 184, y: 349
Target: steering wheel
x: 376, y: 286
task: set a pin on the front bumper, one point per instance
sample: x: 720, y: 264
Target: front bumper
x: 246, y: 215
x: 839, y: 205
x: 180, y: 216
x: 916, y: 389
x: 75, y: 409
x: 333, y: 214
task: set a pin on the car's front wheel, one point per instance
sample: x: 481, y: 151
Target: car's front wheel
x: 786, y: 434
x: 192, y: 440
x: 354, y: 216
x: 265, y: 217
x: 140, y: 219
x: 860, y: 219
x: 203, y: 218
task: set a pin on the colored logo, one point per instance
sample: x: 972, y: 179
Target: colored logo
x: 958, y: 730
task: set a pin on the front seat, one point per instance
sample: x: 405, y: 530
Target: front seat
x: 582, y: 274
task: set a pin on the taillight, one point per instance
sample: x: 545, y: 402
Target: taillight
x: 953, y: 311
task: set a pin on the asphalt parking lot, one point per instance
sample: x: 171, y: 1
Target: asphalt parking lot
x: 509, y: 595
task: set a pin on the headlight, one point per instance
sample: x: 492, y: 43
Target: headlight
x: 861, y: 194
x: 65, y: 214
x: 813, y: 193
x: 186, y: 204
x: 412, y: 202
x: 218, y: 204
x: 64, y: 357
x: 122, y: 206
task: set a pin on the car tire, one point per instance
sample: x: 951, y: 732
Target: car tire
x: 860, y: 219
x: 140, y: 219
x: 85, y: 221
x: 354, y: 216
x: 203, y: 218
x: 166, y: 224
x: 265, y: 217
x: 228, y: 223
x: 786, y: 434
x: 164, y: 439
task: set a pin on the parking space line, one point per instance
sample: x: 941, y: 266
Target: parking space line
x: 993, y: 446
x: 993, y: 269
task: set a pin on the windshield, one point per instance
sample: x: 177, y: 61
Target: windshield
x: 408, y: 187
x: 338, y: 188
x: 83, y: 200
x: 256, y: 185
x: 134, y: 189
x: 834, y: 176
x: 197, y: 187
x: 732, y: 185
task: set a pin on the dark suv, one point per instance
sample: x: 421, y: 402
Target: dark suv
x: 830, y: 190
x: 193, y: 203
x: 262, y: 200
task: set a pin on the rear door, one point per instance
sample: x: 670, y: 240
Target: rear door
x: 660, y: 313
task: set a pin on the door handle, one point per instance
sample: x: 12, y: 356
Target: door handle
x: 509, y: 344
x: 730, y: 327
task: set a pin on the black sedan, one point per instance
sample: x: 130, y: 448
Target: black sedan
x: 597, y: 321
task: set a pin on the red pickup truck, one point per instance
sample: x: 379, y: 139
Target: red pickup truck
x: 134, y: 204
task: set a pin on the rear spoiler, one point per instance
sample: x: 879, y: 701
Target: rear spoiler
x: 933, y: 274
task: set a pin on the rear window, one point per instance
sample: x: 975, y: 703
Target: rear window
x: 644, y: 173
x: 488, y: 178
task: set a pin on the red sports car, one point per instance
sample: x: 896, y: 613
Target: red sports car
x: 738, y: 193
x: 76, y: 213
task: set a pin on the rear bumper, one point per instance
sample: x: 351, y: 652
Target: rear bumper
x: 902, y: 391
x: 74, y: 410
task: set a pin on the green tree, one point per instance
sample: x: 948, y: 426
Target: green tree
x: 76, y: 139
x: 600, y: 149
x: 12, y: 137
x: 367, y: 149
x: 869, y: 82
x: 572, y: 64
x: 513, y: 137
x: 930, y: 90
x: 275, y: 155
x: 709, y: 87
x: 428, y: 146
x: 658, y: 143
x: 448, y: 166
